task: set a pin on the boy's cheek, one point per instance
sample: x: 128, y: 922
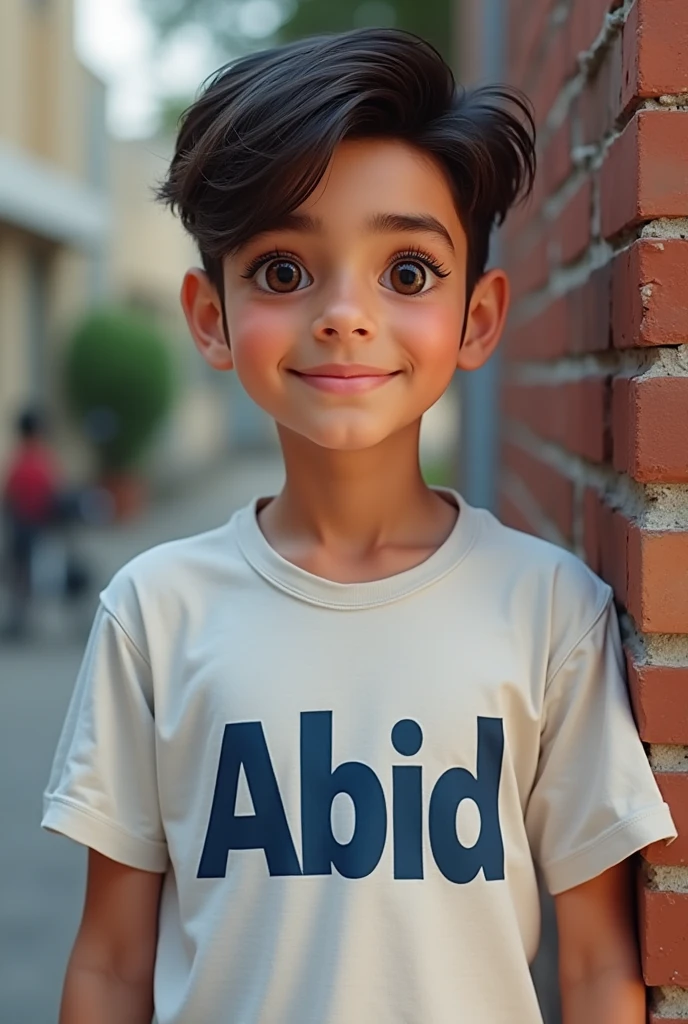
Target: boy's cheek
x: 430, y: 335
x: 260, y: 340
x: 263, y: 338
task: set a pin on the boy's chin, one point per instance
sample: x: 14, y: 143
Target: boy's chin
x: 344, y: 437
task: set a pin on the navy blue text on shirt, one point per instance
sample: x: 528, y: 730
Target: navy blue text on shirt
x: 244, y: 746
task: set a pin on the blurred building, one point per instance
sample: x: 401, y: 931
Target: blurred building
x: 54, y: 207
x: 78, y: 226
x: 149, y: 253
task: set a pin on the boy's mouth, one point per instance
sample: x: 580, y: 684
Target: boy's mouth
x: 345, y: 378
x: 344, y: 370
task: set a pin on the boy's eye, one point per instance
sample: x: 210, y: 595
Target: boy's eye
x: 282, y: 276
x: 281, y: 273
x: 407, y: 277
x: 408, y: 273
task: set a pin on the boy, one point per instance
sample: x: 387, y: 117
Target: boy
x: 315, y: 753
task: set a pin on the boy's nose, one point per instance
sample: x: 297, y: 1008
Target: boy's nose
x: 343, y: 321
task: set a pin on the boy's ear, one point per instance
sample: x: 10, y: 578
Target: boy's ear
x: 203, y: 312
x: 488, y: 307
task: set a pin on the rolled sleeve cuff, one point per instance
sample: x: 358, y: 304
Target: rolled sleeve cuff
x: 84, y: 826
x: 615, y: 845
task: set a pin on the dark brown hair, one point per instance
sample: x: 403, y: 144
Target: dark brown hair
x: 258, y: 139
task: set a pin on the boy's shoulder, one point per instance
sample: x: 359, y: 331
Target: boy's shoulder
x: 163, y: 580
x: 542, y: 581
x: 537, y: 553
x: 532, y: 554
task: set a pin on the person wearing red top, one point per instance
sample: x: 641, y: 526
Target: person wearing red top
x: 29, y: 495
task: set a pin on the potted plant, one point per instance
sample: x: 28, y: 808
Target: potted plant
x: 120, y: 386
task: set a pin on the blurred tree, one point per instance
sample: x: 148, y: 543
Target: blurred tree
x: 120, y: 383
x: 234, y: 26
x: 433, y: 20
x: 170, y: 110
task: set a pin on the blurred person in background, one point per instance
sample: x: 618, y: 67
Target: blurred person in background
x: 30, y: 495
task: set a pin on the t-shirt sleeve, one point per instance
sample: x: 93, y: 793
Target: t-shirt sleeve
x: 595, y: 800
x: 103, y: 788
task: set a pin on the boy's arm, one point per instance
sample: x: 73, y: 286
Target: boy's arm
x: 109, y: 978
x: 599, y: 963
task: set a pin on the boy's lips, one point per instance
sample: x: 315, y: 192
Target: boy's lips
x: 345, y: 378
x: 344, y: 370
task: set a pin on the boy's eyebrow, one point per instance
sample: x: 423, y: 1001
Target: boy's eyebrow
x: 379, y: 223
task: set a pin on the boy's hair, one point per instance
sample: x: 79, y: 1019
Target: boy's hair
x: 259, y: 138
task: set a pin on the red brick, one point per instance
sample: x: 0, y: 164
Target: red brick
x: 656, y: 568
x: 544, y: 336
x: 660, y: 701
x: 657, y: 595
x: 614, y: 527
x: 531, y: 271
x: 555, y: 162
x: 649, y: 294
x: 576, y: 323
x: 655, y: 51
x: 539, y: 193
x: 573, y: 414
x: 585, y: 24
x: 589, y: 313
x: 511, y: 515
x: 552, y: 491
x: 598, y: 104
x: 592, y: 537
x: 523, y: 218
x: 517, y: 220
x: 605, y: 541
x: 664, y: 937
x: 674, y: 788
x: 586, y: 405
x: 513, y: 32
x: 530, y: 24
x: 656, y: 1019
x: 645, y: 174
x: 570, y: 233
x: 551, y: 77
x: 619, y: 182
x: 650, y: 429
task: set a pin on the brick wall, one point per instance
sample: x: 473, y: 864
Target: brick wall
x: 595, y: 390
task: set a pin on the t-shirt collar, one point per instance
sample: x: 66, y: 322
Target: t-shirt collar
x: 306, y: 586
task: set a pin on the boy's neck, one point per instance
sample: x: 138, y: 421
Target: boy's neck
x: 355, y: 503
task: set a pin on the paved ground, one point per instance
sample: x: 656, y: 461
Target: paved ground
x: 42, y: 876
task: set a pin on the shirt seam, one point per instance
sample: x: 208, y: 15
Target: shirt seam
x: 54, y: 798
x: 586, y: 632
x: 590, y: 847
x: 118, y: 622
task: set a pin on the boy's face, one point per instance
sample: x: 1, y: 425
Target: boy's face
x: 345, y: 322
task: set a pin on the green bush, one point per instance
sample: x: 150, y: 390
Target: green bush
x: 438, y: 473
x: 119, y: 383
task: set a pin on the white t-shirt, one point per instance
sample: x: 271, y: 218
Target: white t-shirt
x: 347, y: 785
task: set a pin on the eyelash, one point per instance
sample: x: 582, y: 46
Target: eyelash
x: 420, y: 255
x: 257, y: 262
